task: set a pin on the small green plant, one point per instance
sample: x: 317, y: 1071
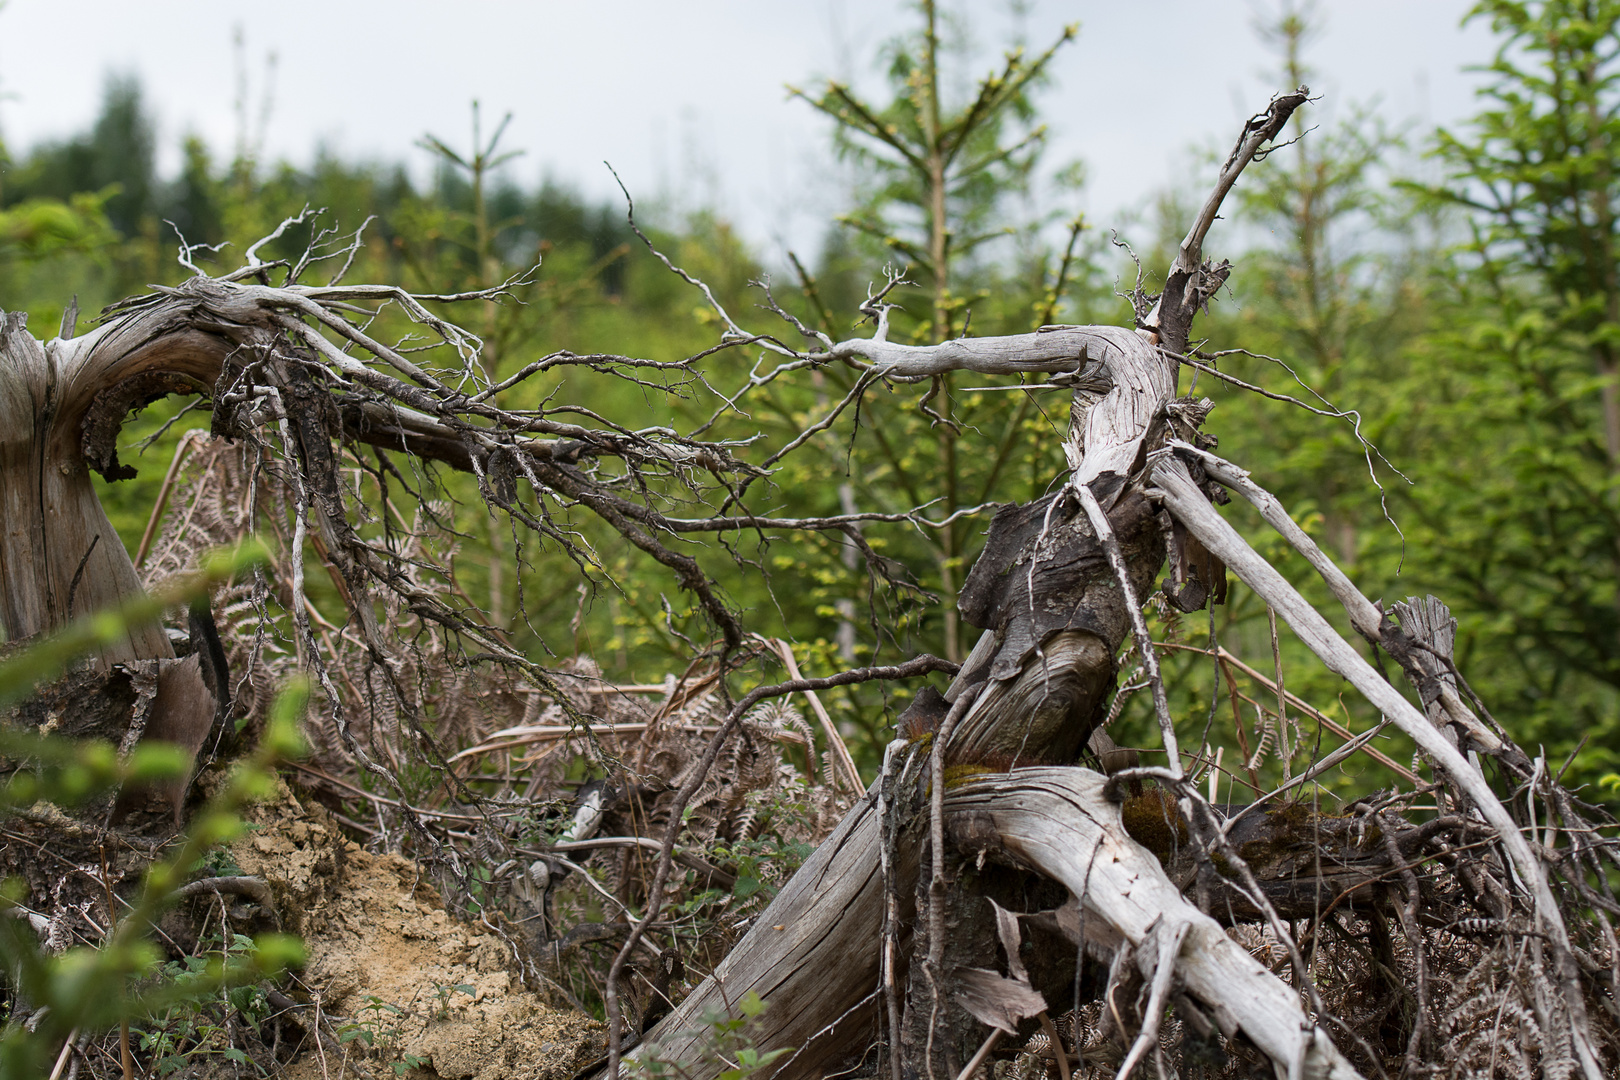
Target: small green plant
x: 775, y: 850
x: 192, y: 1027
x: 123, y: 979
x: 445, y: 992
x: 376, y: 1028
x: 726, y: 1051
x: 373, y: 1025
x: 219, y: 862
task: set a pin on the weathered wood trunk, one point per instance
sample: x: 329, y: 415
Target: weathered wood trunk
x: 1060, y: 822
x: 59, y: 555
x: 1055, y: 602
x: 1055, y: 615
x: 820, y: 971
x: 62, y: 403
x: 1054, y: 618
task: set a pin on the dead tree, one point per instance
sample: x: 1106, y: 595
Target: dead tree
x: 1057, y: 589
x: 905, y: 927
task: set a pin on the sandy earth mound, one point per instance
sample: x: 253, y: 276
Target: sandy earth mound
x: 403, y: 986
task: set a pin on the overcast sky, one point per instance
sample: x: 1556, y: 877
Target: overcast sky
x: 686, y: 97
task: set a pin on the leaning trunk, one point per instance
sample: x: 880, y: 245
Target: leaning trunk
x: 1031, y: 692
x: 59, y: 555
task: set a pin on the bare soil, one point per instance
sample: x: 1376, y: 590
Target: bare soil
x: 401, y: 986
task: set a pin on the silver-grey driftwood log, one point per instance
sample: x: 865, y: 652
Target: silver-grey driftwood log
x: 1058, y: 821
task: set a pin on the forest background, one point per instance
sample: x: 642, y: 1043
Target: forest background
x: 1457, y: 289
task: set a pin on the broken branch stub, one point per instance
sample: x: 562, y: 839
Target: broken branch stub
x: 1191, y: 282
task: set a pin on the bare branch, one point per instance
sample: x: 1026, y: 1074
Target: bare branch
x: 1189, y: 505
x: 1188, y: 283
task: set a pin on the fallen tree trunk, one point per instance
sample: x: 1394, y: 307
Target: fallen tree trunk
x: 813, y: 955
x: 1057, y: 591
x: 1059, y: 822
x: 1034, y: 590
x: 1055, y: 615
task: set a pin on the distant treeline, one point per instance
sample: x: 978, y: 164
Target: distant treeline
x: 115, y: 161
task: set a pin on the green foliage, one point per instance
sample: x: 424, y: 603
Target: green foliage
x: 1521, y: 419
x: 1486, y: 377
x: 376, y: 1028
x: 444, y: 992
x: 1483, y: 372
x: 191, y: 1028
x: 725, y: 1052
x: 42, y: 228
x: 940, y: 178
x: 773, y: 850
x: 1324, y: 307
x: 115, y: 156
x: 85, y: 989
x: 941, y: 175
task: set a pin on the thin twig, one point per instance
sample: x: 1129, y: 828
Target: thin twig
x: 988, y: 1045
x: 1139, y: 630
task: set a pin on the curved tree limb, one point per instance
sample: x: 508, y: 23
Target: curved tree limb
x: 1191, y: 282
x: 1059, y: 822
